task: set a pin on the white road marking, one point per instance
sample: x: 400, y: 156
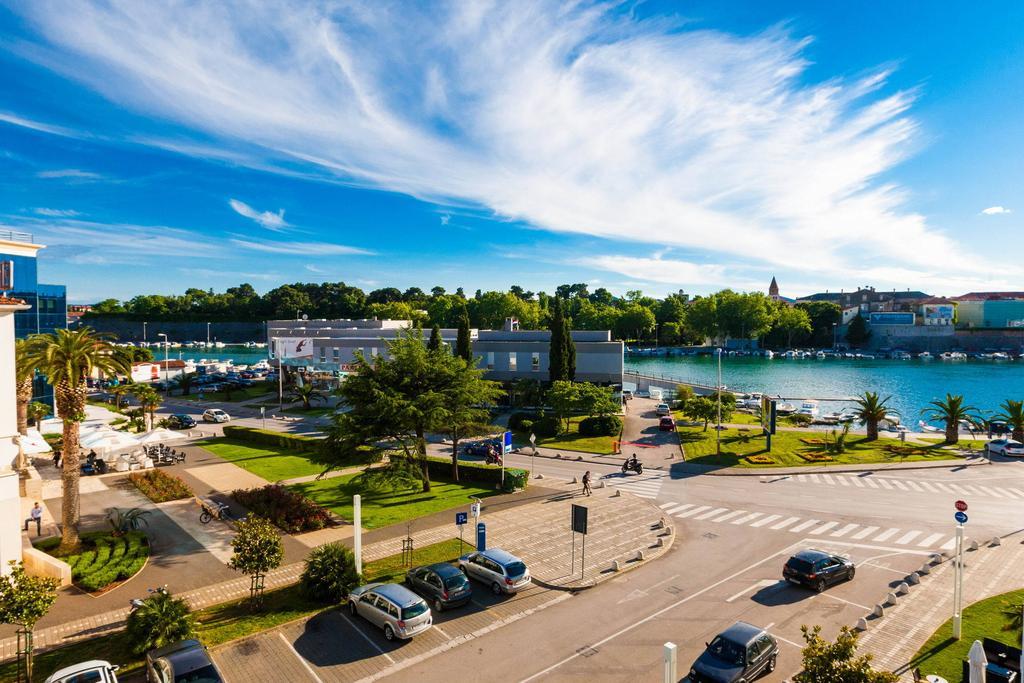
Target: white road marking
x: 677, y: 508
x: 729, y: 515
x: 907, y: 537
x: 694, y: 511
x: 857, y: 481
x: 1018, y: 492
x: 899, y: 484
x: 929, y: 487
x: 948, y: 545
x: 845, y: 481
x: 884, y: 483
x: 783, y: 524
x: 303, y: 659
x: 713, y: 513
x: 366, y: 637
x: 845, y: 530
x: 764, y: 583
x: 913, y: 485
x: 871, y: 483
x: 990, y: 491
x: 748, y: 518
x: 931, y: 540
x: 942, y: 487
x: 828, y: 478
x: 666, y: 506
x: 800, y: 527
x: 767, y: 520
x: 438, y: 629
x: 836, y: 597
x: 865, y: 532
x: 823, y: 528
x: 886, y: 535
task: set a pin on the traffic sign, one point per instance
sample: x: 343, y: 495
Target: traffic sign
x: 461, y: 518
x: 506, y: 443
x: 961, y: 505
x: 960, y: 517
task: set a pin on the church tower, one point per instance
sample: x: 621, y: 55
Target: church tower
x: 773, y: 289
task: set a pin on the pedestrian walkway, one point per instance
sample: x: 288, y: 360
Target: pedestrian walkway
x: 647, y: 485
x: 822, y: 528
x: 895, y: 638
x: 871, y: 481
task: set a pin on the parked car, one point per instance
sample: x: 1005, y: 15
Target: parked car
x: 663, y: 409
x: 181, y: 422
x: 667, y: 424
x: 502, y: 571
x: 392, y: 607
x: 215, y: 415
x: 186, y: 661
x: 627, y: 395
x: 1005, y: 447
x: 742, y: 652
x: 93, y: 671
x: 442, y: 584
x: 480, y: 447
x: 817, y: 569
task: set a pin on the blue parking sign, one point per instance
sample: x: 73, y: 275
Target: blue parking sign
x: 506, y: 443
x: 461, y: 518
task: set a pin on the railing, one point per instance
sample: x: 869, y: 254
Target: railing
x: 15, y: 236
x: 667, y: 378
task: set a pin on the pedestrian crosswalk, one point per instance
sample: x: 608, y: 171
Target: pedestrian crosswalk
x: 911, y: 538
x: 872, y: 481
x: 641, y: 485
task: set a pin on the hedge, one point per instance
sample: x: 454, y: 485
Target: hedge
x: 159, y: 486
x: 111, y: 558
x: 543, y: 427
x: 515, y: 478
x: 289, y: 510
x: 266, y: 437
x: 609, y: 425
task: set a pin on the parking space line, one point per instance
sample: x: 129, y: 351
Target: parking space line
x: 784, y: 523
x: 864, y: 532
x: 800, y: 527
x: 886, y: 535
x: 908, y: 537
x: 836, y: 597
x: 767, y: 520
x: 713, y: 513
x: 729, y: 515
x: 757, y: 586
x: 930, y: 540
x: 845, y: 530
x: 823, y: 528
x: 441, y: 631
x: 300, y: 658
x: 751, y: 516
x: 367, y: 638
x: 694, y: 511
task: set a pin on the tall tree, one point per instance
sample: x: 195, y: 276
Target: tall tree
x: 435, y: 343
x: 463, y: 343
x: 257, y: 550
x: 870, y: 411
x: 149, y: 400
x: 466, y: 396
x: 858, y: 332
x: 570, y: 349
x: 1012, y: 412
x: 952, y: 412
x: 25, y: 372
x: 558, y: 369
x: 68, y: 358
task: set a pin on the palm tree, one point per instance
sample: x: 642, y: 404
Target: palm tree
x: 871, y: 411
x: 160, y: 619
x: 306, y: 393
x: 952, y: 411
x: 149, y: 400
x: 184, y: 381
x: 68, y: 358
x: 25, y: 372
x: 1013, y: 415
x: 37, y: 412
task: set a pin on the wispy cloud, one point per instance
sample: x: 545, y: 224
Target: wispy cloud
x: 72, y: 173
x: 995, y: 210
x: 15, y: 120
x: 268, y: 219
x: 605, y: 124
x: 313, y: 269
x: 219, y: 274
x: 300, y: 248
x: 56, y: 213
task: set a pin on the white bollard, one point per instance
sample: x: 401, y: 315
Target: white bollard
x: 357, y: 541
x: 660, y: 542
x: 862, y: 624
x: 879, y: 610
x: 973, y: 545
x: 617, y: 493
x: 539, y: 476
x: 574, y: 481
x: 891, y: 599
x: 640, y: 555
x: 913, y: 579
x: 995, y: 541
x: 925, y: 569
x: 902, y: 589
x: 616, y: 566
x: 670, y: 663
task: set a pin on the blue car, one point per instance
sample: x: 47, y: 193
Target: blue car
x: 742, y: 652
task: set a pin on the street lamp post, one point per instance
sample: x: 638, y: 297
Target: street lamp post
x: 167, y: 381
x: 835, y: 344
x: 144, y: 333
x: 718, y: 392
x: 207, y: 334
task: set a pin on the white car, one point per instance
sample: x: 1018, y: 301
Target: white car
x: 1005, y: 447
x: 215, y: 415
x: 663, y: 409
x: 94, y: 671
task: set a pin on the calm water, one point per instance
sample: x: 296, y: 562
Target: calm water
x: 239, y: 354
x: 911, y: 383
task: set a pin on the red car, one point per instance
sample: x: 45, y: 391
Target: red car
x: 666, y: 424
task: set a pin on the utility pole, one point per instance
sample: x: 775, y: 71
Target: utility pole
x: 144, y: 333
x: 167, y: 380
x: 207, y: 334
x: 718, y: 393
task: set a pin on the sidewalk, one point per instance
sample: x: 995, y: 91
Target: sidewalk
x: 894, y: 639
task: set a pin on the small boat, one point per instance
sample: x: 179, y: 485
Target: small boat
x: 769, y: 354
x: 925, y: 427
x: 219, y: 345
x: 900, y: 355
x: 924, y: 355
x: 820, y: 355
x: 808, y: 408
x: 999, y: 355
x: 785, y: 409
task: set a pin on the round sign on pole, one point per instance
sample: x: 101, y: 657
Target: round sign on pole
x: 960, y: 517
x: 961, y: 505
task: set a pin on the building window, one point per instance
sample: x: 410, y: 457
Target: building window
x: 535, y: 361
x: 323, y: 354
x: 336, y: 354
x: 490, y: 360
x: 512, y: 361
x: 373, y: 352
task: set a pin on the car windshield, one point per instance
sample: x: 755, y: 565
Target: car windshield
x: 93, y: 676
x: 726, y: 651
x: 800, y: 565
x: 207, y: 674
x: 414, y: 610
x: 457, y: 581
x: 515, y: 569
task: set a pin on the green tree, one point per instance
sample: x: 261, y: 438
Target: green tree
x: 24, y: 600
x: 435, y: 343
x: 465, y: 398
x: 635, y: 322
x: 463, y: 343
x: 1012, y: 412
x: 684, y: 392
x: 702, y: 315
x: 564, y: 397
x: 871, y: 411
x: 160, y: 620
x: 570, y: 350
x: 24, y: 373
x: 307, y: 393
x: 257, y: 550
x: 595, y: 400
x: 184, y: 382
x: 329, y: 573
x: 857, y: 332
x: 791, y: 320
x: 37, y: 412
x: 149, y: 400
x: 837, y: 662
x: 824, y: 316
x: 701, y: 409
x: 952, y: 412
x: 558, y: 361
x: 68, y: 358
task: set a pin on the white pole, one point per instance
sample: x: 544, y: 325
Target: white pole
x: 958, y: 578
x: 357, y: 520
x: 280, y: 375
x: 718, y: 392
x: 670, y: 662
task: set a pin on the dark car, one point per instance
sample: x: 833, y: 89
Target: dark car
x: 181, y: 422
x: 667, y: 424
x: 442, y: 584
x: 817, y: 569
x: 742, y: 652
x: 480, y: 447
x: 186, y: 661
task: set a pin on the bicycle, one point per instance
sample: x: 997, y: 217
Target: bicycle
x: 214, y: 510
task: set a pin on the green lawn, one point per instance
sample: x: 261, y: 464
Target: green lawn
x: 389, y: 507
x: 572, y: 441
x: 392, y: 570
x: 315, y: 411
x: 739, y: 444
x: 985, y: 619
x: 264, y: 461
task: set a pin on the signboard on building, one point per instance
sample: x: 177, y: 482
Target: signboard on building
x: 892, y: 318
x: 938, y: 314
x: 6, y: 276
x: 301, y: 347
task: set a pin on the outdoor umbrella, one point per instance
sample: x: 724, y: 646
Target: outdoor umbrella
x: 977, y: 661
x: 34, y: 443
x: 110, y: 441
x: 159, y: 435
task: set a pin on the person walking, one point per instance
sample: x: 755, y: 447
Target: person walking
x: 35, y: 516
x: 586, y: 482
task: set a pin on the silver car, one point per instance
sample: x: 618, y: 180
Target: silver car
x: 502, y: 571
x: 392, y: 607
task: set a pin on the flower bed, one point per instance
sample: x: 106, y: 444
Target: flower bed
x: 760, y: 460
x: 104, y: 558
x: 815, y: 457
x: 161, y: 487
x: 288, y: 510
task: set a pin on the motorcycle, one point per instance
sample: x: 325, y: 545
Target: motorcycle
x: 630, y: 465
x: 136, y: 603
x: 493, y: 459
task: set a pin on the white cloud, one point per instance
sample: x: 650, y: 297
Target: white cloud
x: 23, y: 122
x: 300, y: 248
x: 995, y: 210
x: 56, y: 213
x: 72, y: 173
x: 268, y: 219
x: 603, y: 124
x: 313, y: 269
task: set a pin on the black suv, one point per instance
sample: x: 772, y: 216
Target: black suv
x: 442, y: 584
x: 181, y: 422
x: 184, y: 661
x: 817, y: 569
x: 742, y: 652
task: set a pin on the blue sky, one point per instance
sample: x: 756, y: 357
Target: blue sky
x: 658, y: 145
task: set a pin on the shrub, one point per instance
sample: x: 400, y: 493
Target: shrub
x: 160, y: 620
x: 123, y: 521
x: 287, y: 509
x: 159, y: 486
x: 266, y: 437
x: 515, y: 478
x: 526, y: 425
x: 801, y: 419
x: 760, y: 460
x: 330, y: 573
x: 106, y: 558
x: 609, y: 425
x: 546, y: 427
x: 515, y: 421
x: 531, y: 422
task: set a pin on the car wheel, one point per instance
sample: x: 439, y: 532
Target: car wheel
x: 771, y: 664
x: 352, y: 608
x: 496, y: 588
x: 389, y: 633
x: 853, y: 572
x: 819, y: 585
x: 438, y: 606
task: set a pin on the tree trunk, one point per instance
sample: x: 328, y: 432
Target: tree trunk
x: 421, y: 450
x: 1018, y: 434
x: 24, y: 396
x: 872, y: 430
x: 952, y: 432
x: 71, y: 402
x: 455, y: 457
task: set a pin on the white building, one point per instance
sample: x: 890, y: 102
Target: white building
x: 10, y: 498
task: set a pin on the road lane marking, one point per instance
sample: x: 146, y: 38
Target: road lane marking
x: 884, y: 483
x: 767, y: 520
x: 836, y: 597
x: 992, y: 492
x: 843, y: 480
x: 783, y: 524
x: 857, y: 481
x: 764, y: 583
x: 931, y: 540
x: 864, y: 532
x: 728, y: 515
x: 1018, y: 492
x: 665, y: 506
x: 694, y: 511
x: 914, y: 486
x: 845, y: 530
x: 713, y: 513
x: 943, y: 487
x: 948, y: 545
x: 814, y: 478
x: 301, y: 658
x: 827, y: 478
x: 800, y: 527
x: 823, y: 528
x: 899, y: 484
x: 367, y: 638
x: 871, y: 482
x: 907, y: 537
x: 886, y: 535
x: 748, y: 518
x: 928, y: 487
x: 678, y: 508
